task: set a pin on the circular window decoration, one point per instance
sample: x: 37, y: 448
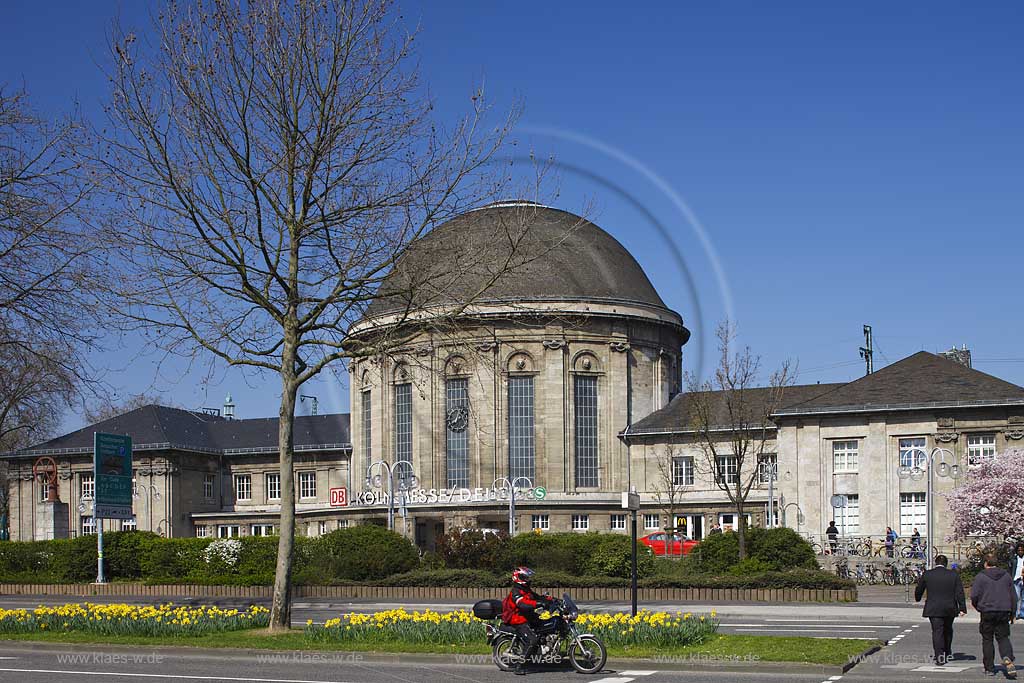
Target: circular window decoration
x: 458, y: 419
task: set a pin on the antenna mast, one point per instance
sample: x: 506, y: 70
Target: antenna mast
x: 867, y: 352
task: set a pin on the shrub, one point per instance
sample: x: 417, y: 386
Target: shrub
x: 612, y: 555
x: 750, y: 565
x: 363, y: 553
x: 777, y: 549
x: 473, y: 578
x: 580, y: 554
x: 473, y: 549
x: 796, y: 578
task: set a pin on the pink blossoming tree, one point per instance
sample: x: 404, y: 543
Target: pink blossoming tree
x: 991, y: 501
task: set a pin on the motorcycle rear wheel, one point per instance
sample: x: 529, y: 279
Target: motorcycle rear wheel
x: 589, y: 659
x: 505, y: 654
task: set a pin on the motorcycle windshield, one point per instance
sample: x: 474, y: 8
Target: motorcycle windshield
x: 570, y: 606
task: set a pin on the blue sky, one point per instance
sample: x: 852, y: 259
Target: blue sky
x: 848, y: 163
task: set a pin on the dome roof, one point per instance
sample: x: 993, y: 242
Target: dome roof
x: 514, y: 252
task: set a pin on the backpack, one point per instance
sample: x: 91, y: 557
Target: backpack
x: 508, y: 609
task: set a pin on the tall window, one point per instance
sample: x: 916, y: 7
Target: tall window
x: 913, y: 513
x: 243, y: 487
x: 848, y: 518
x: 844, y: 456
x: 580, y: 522
x: 307, y: 484
x: 652, y: 521
x: 980, y: 447
x: 912, y: 453
x: 273, y: 486
x: 209, y: 481
x: 586, y: 430
x: 457, y: 424
x: 403, y: 422
x: 727, y: 469
x: 521, y: 444
x: 367, y: 427
x: 682, y: 471
x: 767, y: 467
x: 87, y: 486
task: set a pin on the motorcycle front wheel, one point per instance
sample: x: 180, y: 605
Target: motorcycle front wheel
x: 504, y: 654
x: 590, y: 658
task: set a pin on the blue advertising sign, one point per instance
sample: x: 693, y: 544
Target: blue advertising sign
x: 112, y: 464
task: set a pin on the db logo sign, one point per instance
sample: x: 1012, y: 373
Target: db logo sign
x: 339, y: 497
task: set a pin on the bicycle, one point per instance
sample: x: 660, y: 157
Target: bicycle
x: 842, y: 569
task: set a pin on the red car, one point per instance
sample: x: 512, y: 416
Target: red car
x: 660, y: 544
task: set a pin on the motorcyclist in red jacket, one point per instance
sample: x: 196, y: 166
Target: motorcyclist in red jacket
x: 520, y: 610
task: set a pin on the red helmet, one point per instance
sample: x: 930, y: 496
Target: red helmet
x: 522, y: 576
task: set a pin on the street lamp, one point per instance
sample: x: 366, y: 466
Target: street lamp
x: 406, y: 481
x: 943, y: 469
x: 511, y: 486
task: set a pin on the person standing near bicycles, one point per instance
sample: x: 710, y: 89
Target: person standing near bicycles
x: 890, y: 541
x: 945, y: 601
x: 833, y: 536
x: 915, y: 544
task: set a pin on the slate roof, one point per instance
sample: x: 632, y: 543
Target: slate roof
x: 562, y: 257
x: 678, y: 417
x: 923, y: 380
x: 156, y: 426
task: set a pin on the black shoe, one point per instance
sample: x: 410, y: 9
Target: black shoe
x: 520, y: 669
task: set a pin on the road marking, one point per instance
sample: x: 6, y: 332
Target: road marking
x: 797, y: 630
x: 638, y: 673
x: 942, y: 669
x: 614, y: 679
x: 189, y: 678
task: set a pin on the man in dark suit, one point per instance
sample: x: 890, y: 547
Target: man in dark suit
x: 945, y: 601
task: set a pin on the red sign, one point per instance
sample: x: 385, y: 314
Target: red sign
x: 339, y: 497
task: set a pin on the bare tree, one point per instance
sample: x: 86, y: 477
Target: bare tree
x: 668, y: 485
x: 273, y: 161
x: 731, y: 418
x: 35, y: 394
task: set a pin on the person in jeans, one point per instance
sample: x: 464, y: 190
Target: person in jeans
x: 1017, y: 574
x: 945, y: 601
x: 992, y: 594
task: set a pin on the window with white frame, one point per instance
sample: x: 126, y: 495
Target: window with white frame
x: 845, y: 455
x: 912, y: 453
x: 767, y: 468
x: 728, y: 520
x: 618, y: 523
x: 202, y: 531
x: 580, y: 522
x: 540, y: 522
x: 227, y: 531
x: 682, y: 470
x: 322, y: 527
x: 243, y: 487
x: 129, y: 524
x: 307, y: 484
x: 521, y: 438
x: 273, y: 486
x: 44, y: 490
x: 261, y: 530
x: 87, y: 485
x: 980, y: 447
x: 457, y: 431
x: 209, y: 486
x: 342, y: 523
x: 88, y: 524
x: 913, y: 513
x: 728, y: 472
x: 848, y: 518
x: 403, y: 421
x: 585, y: 408
x: 652, y: 521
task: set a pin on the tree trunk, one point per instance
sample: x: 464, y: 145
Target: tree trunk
x: 741, y: 529
x: 281, y: 605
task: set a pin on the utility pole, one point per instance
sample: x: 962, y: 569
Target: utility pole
x: 867, y: 352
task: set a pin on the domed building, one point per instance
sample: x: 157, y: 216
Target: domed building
x: 552, y: 342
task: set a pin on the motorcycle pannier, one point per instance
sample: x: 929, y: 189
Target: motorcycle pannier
x: 487, y: 609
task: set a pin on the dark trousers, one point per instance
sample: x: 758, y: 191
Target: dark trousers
x: 995, y: 624
x: 528, y: 637
x: 942, y: 636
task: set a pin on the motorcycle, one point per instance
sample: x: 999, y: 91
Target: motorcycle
x: 558, y: 638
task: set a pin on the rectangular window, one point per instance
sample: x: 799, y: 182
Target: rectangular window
x: 403, y: 422
x: 652, y: 521
x: 767, y: 468
x: 521, y: 444
x: 844, y: 456
x: 243, y: 487
x: 342, y: 523
x: 682, y: 470
x: 202, y: 531
x: 585, y: 398
x: 367, y: 427
x: 322, y: 527
x: 980, y: 447
x: 307, y: 484
x: 261, y: 530
x: 618, y: 523
x: 129, y: 524
x: 87, y: 485
x: 912, y: 453
x: 88, y: 524
x: 727, y: 469
x: 227, y: 531
x: 209, y: 484
x: 848, y: 519
x: 580, y: 522
x: 457, y: 426
x: 44, y: 491
x: 273, y: 486
x: 913, y: 513
x: 540, y: 522
x: 728, y: 520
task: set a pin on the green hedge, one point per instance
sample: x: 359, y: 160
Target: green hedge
x: 779, y: 549
x: 580, y: 554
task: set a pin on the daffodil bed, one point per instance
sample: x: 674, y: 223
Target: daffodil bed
x: 620, y: 630
x: 131, y: 620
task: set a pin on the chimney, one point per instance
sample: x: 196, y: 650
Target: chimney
x: 229, y: 408
x: 961, y: 355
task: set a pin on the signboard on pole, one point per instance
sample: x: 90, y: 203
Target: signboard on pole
x: 112, y: 467
x: 339, y: 497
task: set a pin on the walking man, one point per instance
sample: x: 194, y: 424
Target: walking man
x: 945, y: 601
x: 992, y: 594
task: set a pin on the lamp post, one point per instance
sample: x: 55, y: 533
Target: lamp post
x: 915, y: 472
x: 405, y: 482
x: 511, y: 486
